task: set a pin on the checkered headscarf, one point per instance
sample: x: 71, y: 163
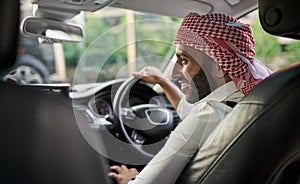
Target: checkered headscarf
x: 228, y: 42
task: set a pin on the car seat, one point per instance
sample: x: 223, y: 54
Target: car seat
x: 259, y: 141
x: 8, y: 33
x: 40, y: 141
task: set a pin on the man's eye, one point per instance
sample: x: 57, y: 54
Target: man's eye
x: 184, y: 61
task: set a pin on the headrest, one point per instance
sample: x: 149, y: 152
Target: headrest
x: 280, y: 18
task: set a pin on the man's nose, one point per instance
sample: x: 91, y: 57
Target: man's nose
x: 176, y: 72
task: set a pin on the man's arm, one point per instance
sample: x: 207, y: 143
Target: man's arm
x: 183, y: 142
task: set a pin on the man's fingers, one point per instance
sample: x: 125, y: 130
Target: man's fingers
x: 114, y: 175
x: 134, y: 171
x: 116, y: 168
x: 122, y: 174
x: 137, y: 75
x: 123, y: 167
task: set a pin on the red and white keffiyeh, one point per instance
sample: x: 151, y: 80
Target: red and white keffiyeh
x: 228, y: 42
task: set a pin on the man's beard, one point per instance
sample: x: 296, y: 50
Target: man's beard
x: 200, y: 87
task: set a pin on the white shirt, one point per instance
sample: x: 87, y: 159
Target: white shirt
x: 198, y: 122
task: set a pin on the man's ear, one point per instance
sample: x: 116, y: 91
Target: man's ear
x: 218, y: 72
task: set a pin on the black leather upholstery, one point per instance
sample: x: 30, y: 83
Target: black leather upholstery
x: 9, y: 21
x: 267, y: 148
x: 40, y: 141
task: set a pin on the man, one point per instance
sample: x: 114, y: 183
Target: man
x: 215, y: 64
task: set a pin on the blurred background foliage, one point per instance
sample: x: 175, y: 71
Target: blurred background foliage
x: 267, y: 46
x: 154, y: 42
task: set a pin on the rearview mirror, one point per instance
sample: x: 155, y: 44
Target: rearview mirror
x: 51, y: 30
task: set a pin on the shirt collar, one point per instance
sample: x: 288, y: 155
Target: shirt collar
x: 222, y: 92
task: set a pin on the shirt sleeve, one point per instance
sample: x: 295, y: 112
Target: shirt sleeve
x: 183, y: 108
x: 183, y: 142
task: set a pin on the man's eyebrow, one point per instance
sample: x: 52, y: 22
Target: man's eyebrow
x: 184, y: 54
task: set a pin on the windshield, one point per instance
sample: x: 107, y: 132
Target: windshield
x: 117, y: 45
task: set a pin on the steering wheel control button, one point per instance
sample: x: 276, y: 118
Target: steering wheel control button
x: 129, y: 114
x: 158, y: 116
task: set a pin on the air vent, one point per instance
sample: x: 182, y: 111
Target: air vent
x: 75, y: 2
x: 100, y: 1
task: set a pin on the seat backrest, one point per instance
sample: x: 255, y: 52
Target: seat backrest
x: 40, y: 141
x: 259, y: 141
x: 9, y: 21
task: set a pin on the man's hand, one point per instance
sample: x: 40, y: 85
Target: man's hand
x: 122, y: 174
x: 153, y: 75
x: 150, y: 75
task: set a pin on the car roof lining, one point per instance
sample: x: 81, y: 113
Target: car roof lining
x: 60, y: 10
x: 179, y: 8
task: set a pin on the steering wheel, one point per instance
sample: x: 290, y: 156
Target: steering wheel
x: 143, y: 123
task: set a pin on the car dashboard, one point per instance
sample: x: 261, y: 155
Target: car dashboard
x: 95, y: 102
